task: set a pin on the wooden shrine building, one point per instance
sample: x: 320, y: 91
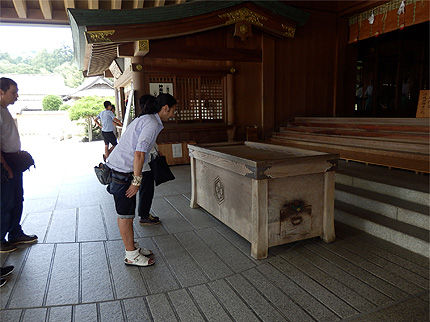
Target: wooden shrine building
x: 247, y: 69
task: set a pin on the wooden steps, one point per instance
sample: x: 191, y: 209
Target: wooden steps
x: 397, y: 143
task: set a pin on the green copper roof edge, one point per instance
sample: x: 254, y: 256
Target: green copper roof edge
x: 78, y: 42
x: 278, y: 8
x: 173, y: 12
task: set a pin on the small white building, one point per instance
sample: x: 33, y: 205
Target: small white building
x: 32, y: 88
x: 92, y: 86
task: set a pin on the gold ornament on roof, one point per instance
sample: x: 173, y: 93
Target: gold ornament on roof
x: 99, y: 36
x: 289, y: 31
x: 243, y: 14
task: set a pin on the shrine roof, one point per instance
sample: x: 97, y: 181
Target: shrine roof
x: 86, y: 17
x: 105, y: 28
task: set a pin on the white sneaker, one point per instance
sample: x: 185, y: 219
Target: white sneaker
x: 139, y: 260
x: 144, y: 251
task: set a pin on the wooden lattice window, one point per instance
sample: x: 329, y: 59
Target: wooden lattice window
x: 200, y: 98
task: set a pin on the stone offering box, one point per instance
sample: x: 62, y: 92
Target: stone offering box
x: 269, y: 194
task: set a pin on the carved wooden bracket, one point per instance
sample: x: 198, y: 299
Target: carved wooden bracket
x: 141, y: 47
x: 99, y: 36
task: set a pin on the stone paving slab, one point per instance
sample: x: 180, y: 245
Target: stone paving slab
x: 33, y: 315
x: 184, y: 306
x: 85, y: 312
x: 65, y: 271
x: 301, y: 297
x: 208, y: 304
x: 136, y: 309
x: 203, y: 270
x: 60, y: 313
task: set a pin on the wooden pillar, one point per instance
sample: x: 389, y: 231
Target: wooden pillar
x: 121, y: 103
x: 259, y: 219
x: 230, y: 107
x: 138, y: 81
x: 193, y: 201
x: 268, y: 86
x: 345, y: 67
x: 328, y: 234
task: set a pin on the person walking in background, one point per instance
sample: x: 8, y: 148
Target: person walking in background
x: 127, y: 161
x: 108, y: 119
x: 12, y: 192
x: 115, y: 131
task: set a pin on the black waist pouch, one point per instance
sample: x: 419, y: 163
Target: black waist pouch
x: 103, y: 173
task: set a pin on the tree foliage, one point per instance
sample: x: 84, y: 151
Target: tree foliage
x: 87, y: 107
x: 51, y: 103
x: 71, y: 75
x: 64, y: 107
x: 59, y: 61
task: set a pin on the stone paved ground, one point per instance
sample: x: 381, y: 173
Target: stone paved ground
x: 203, y: 271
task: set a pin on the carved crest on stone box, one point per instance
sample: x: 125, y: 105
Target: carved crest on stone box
x: 243, y: 15
x: 219, y: 190
x: 101, y: 36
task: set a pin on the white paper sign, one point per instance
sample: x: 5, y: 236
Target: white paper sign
x: 158, y: 88
x: 177, y: 150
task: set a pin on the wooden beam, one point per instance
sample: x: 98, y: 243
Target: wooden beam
x: 20, y: 8
x: 125, y: 49
x: 93, y: 4
x: 69, y: 4
x: 46, y: 7
x: 358, y: 6
x: 137, y: 4
x: 108, y: 73
x: 159, y: 3
x: 116, y: 4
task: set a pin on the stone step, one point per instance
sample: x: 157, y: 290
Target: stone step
x: 395, y: 208
x: 403, y: 234
x: 399, y: 184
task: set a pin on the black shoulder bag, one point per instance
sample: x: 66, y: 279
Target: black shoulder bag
x: 160, y: 169
x: 19, y: 161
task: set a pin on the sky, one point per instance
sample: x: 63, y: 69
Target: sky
x: 28, y: 40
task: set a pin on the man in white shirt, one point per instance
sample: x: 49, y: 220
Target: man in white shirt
x: 12, y: 193
x: 127, y: 161
x: 108, y: 120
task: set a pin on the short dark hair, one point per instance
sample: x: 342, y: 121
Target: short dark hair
x: 142, y: 102
x: 152, y: 105
x: 6, y: 83
x: 165, y: 99
x: 107, y: 104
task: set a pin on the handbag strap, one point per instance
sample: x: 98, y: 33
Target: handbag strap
x: 152, y: 155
